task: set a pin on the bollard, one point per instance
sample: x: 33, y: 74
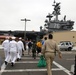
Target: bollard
x: 75, y: 66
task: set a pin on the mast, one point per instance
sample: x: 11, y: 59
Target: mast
x: 56, y: 11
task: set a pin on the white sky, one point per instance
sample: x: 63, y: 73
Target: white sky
x: 12, y: 11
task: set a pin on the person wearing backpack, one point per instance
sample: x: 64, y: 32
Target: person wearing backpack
x: 43, y: 41
x: 39, y: 45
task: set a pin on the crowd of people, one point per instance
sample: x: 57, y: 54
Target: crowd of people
x: 14, y: 49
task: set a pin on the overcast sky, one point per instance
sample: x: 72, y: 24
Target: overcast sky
x: 12, y: 11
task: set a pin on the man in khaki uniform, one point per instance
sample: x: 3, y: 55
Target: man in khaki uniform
x: 49, y: 51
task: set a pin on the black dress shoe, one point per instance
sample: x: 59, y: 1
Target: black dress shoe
x: 22, y: 54
x: 5, y: 62
x: 34, y: 57
x: 17, y: 59
x: 20, y: 59
x: 12, y: 64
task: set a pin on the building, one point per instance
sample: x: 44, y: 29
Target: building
x: 64, y: 36
x: 33, y: 35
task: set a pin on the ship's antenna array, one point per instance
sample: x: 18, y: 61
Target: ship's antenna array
x: 56, y: 11
x: 54, y: 3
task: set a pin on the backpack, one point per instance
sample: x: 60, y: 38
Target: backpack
x: 39, y: 44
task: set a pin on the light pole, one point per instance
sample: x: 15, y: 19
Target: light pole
x: 25, y: 26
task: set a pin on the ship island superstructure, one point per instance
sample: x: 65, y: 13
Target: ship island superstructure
x: 56, y: 24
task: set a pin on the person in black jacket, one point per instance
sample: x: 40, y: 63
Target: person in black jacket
x: 29, y: 46
x: 34, y: 49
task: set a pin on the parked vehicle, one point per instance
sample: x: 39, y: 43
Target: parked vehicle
x: 74, y: 48
x: 66, y: 45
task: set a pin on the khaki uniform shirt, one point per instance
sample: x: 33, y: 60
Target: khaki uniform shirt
x: 50, y: 46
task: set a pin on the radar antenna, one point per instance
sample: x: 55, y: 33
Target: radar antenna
x: 54, y: 3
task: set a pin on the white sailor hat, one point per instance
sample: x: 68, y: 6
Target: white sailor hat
x: 7, y: 37
x: 13, y: 37
x: 20, y: 38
